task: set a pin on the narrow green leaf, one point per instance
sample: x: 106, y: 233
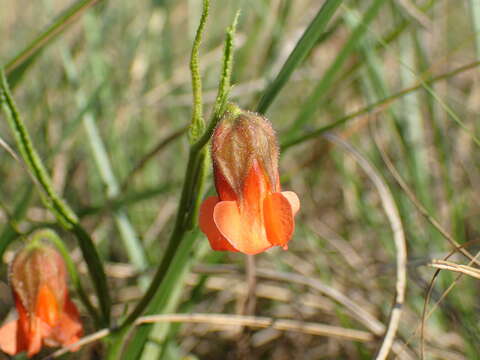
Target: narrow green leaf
x: 310, y: 106
x: 311, y: 35
x: 127, y: 232
x: 16, y: 67
x: 64, y: 214
x: 225, y: 80
x: 164, y: 300
x: 373, y: 107
x: 9, y: 233
x: 197, y: 126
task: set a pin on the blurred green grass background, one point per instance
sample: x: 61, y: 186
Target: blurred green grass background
x: 115, y: 86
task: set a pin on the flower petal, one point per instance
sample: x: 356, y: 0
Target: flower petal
x: 240, y: 231
x: 23, y: 325
x: 8, y: 337
x: 278, y: 218
x: 69, y: 329
x: 47, y: 306
x: 209, y: 228
x: 293, y: 200
x: 38, y: 330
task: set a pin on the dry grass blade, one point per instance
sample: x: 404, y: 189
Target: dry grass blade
x: 426, y: 316
x: 234, y: 320
x: 363, y: 316
x: 9, y: 150
x: 80, y: 343
x: 463, y: 269
x: 360, y: 314
x: 263, y: 322
x: 399, y: 238
x: 415, y: 13
x: 251, y: 279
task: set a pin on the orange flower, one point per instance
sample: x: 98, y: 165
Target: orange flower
x: 251, y: 213
x: 46, y: 315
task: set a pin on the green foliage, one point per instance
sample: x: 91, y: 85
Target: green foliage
x: 308, y: 40
x: 109, y: 133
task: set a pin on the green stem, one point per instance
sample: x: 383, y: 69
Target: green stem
x: 197, y: 125
x: 194, y: 178
x: 225, y: 80
x: 178, y: 234
x: 174, y: 241
x: 65, y: 216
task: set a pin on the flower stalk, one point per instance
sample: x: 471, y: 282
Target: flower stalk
x: 195, y: 174
x: 63, y: 213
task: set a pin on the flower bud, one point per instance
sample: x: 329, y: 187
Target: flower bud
x: 46, y: 315
x: 250, y: 213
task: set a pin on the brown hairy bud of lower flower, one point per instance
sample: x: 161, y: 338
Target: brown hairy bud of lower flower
x: 46, y: 315
x: 36, y: 265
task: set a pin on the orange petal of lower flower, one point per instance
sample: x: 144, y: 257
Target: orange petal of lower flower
x: 47, y: 306
x: 278, y: 218
x: 293, y: 200
x: 239, y: 231
x: 8, y: 338
x: 69, y: 329
x: 207, y: 225
x: 38, y: 330
x: 23, y: 325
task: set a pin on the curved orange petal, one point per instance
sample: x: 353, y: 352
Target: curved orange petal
x: 293, y: 200
x: 240, y: 231
x: 224, y: 189
x: 47, y: 306
x: 23, y: 325
x: 208, y: 227
x: 255, y: 188
x: 278, y: 218
x: 35, y: 337
x: 69, y: 329
x: 8, y: 338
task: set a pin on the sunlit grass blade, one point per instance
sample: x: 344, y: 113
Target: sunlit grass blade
x: 299, y: 53
x: 16, y: 67
x: 127, y: 232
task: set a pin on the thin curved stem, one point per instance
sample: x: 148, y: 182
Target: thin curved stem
x: 393, y: 216
x: 63, y: 213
